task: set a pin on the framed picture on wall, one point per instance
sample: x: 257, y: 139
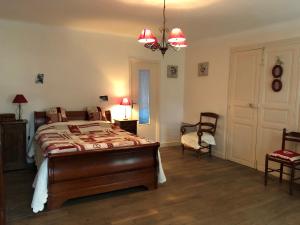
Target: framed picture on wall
x: 172, y: 71
x: 203, y: 69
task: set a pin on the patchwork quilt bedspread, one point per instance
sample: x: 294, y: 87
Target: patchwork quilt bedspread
x: 70, y: 137
x: 77, y: 136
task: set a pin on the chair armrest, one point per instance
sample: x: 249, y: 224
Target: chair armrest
x: 187, y: 125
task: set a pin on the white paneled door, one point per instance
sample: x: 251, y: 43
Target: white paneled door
x: 257, y: 114
x: 277, y: 110
x: 244, y: 94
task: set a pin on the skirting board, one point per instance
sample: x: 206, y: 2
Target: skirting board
x: 170, y: 144
x: 176, y: 143
x: 218, y: 154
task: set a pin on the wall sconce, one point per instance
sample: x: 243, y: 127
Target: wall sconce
x: 104, y: 98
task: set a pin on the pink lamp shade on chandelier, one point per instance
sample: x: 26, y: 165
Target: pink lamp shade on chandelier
x: 182, y: 44
x: 176, y: 39
x: 176, y: 36
x: 146, y: 36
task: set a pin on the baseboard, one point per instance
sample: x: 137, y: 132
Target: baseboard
x: 218, y: 154
x: 170, y: 144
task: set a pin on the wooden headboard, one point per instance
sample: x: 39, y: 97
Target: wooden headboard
x: 40, y: 117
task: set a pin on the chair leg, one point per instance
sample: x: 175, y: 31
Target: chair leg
x: 281, y: 172
x: 198, y: 152
x: 209, y: 150
x: 292, y: 179
x: 182, y: 149
x: 266, y: 169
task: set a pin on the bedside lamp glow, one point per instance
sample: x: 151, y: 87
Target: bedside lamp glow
x: 125, y: 102
x: 19, y: 99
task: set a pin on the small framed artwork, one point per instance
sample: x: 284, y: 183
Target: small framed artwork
x: 276, y: 85
x: 172, y: 71
x: 203, y: 69
x: 277, y: 71
x: 39, y: 78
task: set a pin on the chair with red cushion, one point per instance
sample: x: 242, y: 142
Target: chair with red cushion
x: 286, y: 158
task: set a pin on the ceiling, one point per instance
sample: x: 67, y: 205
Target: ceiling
x: 198, y: 18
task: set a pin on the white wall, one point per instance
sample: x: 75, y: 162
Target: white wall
x: 171, y: 107
x: 78, y: 68
x: 210, y: 93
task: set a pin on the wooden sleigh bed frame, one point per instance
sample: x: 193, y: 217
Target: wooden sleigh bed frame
x: 78, y: 174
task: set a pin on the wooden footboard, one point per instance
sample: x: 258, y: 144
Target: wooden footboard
x: 78, y: 174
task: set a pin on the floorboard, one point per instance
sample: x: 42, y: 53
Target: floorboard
x: 206, y: 191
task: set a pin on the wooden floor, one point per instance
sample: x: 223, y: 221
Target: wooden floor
x: 198, y: 191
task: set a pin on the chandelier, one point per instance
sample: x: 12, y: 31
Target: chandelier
x: 176, y: 39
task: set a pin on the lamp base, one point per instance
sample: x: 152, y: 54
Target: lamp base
x: 19, y: 112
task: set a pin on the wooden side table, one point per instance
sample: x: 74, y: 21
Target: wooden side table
x: 13, y: 138
x: 128, y: 125
x: 2, y: 202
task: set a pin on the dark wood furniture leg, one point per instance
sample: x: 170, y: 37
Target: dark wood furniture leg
x: 281, y: 172
x: 2, y: 203
x: 210, y: 147
x: 182, y: 148
x: 292, y: 179
x: 266, y: 169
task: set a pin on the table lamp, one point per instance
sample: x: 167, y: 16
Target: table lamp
x: 125, y: 101
x: 19, y: 99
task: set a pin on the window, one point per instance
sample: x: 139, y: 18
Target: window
x: 144, y: 111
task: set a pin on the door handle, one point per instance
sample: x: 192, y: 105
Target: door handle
x: 252, y: 106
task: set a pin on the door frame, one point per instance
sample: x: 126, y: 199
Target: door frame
x: 137, y: 60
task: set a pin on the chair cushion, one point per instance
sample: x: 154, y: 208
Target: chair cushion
x: 191, y: 139
x: 286, y: 154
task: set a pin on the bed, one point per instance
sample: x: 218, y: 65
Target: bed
x: 82, y: 173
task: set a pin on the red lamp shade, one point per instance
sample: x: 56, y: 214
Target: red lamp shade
x: 20, y: 99
x: 146, y: 36
x: 125, y: 101
x: 182, y: 44
x: 176, y: 36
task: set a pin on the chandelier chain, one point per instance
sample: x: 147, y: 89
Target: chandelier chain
x: 164, y: 26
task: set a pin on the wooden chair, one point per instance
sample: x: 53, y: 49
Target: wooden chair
x: 202, y: 138
x: 286, y: 158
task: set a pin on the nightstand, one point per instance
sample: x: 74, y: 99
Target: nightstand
x: 13, y: 139
x: 2, y: 198
x: 128, y: 125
